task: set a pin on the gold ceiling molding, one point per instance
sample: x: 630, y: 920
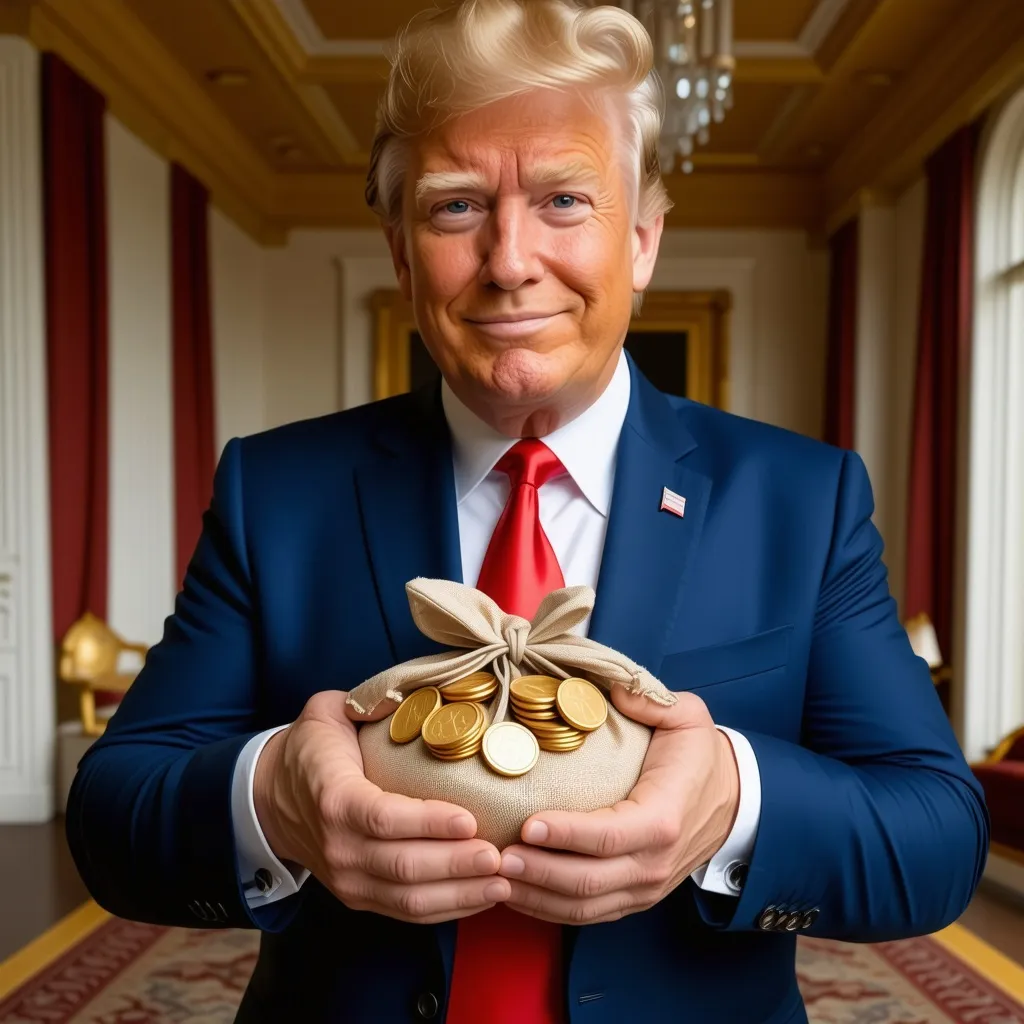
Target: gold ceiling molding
x: 153, y: 96
x: 336, y: 145
x: 977, y: 58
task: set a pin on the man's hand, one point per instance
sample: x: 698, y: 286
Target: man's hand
x: 413, y: 860
x: 616, y: 861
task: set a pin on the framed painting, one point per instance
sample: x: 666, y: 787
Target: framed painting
x: 680, y: 342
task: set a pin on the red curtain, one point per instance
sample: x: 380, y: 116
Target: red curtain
x: 944, y: 338
x: 192, y: 362
x: 842, y: 336
x: 77, y: 318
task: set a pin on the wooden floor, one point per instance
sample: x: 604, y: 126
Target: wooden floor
x: 41, y: 885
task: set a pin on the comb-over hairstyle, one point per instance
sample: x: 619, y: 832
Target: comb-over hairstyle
x: 456, y: 59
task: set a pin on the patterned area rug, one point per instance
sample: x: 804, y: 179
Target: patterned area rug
x: 126, y: 973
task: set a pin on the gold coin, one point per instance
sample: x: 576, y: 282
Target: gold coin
x: 562, y: 742
x: 510, y: 749
x: 409, y: 716
x: 453, y: 725
x: 535, y: 716
x: 534, y: 691
x: 555, y: 730
x: 459, y: 755
x: 478, y: 686
x: 582, y: 704
x: 559, y: 750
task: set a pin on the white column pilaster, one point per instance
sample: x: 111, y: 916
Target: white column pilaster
x: 27, y: 688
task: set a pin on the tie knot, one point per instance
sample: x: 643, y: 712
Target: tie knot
x: 529, y: 461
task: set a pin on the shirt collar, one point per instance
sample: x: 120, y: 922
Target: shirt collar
x: 586, y: 446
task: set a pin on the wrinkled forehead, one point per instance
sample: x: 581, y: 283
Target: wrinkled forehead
x: 534, y: 139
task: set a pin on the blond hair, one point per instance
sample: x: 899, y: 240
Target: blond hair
x: 450, y: 61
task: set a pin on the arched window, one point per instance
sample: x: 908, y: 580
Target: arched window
x: 994, y: 640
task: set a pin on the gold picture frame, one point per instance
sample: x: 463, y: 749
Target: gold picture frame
x: 702, y: 315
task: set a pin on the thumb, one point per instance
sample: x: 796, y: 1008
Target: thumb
x: 688, y: 712
x: 382, y: 710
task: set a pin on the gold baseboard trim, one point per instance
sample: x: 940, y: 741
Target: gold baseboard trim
x: 992, y: 965
x: 53, y: 943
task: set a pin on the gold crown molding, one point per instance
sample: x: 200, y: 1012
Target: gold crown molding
x: 153, y: 96
x: 978, y: 57
x: 335, y: 143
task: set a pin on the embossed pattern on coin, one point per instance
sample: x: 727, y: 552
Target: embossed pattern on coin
x: 581, y: 704
x: 452, y: 725
x: 510, y: 749
x: 409, y: 716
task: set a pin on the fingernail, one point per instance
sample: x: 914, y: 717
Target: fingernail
x: 483, y: 862
x: 535, y: 832
x: 496, y: 891
x: 512, y: 865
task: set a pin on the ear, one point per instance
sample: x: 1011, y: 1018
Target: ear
x: 646, y: 241
x: 395, y: 236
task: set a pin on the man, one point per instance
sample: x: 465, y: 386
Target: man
x: 515, y: 172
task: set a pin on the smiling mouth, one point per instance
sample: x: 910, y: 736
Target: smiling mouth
x: 512, y: 326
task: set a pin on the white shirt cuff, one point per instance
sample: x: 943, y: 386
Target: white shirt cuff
x: 265, y: 879
x: 727, y: 870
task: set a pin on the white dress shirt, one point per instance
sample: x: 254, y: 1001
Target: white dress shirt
x: 574, y: 511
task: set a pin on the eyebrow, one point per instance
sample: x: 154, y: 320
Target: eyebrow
x: 541, y: 174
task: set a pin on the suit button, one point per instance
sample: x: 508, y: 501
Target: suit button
x: 809, y: 918
x: 427, y: 1005
x: 769, y: 916
x: 793, y: 921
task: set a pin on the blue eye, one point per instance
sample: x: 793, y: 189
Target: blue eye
x: 462, y: 205
x: 559, y: 205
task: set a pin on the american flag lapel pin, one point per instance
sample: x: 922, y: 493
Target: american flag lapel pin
x: 672, y: 502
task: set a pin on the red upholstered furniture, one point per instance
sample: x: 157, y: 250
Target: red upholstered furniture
x: 1002, y: 778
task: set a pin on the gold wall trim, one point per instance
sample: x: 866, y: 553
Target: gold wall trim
x: 704, y: 316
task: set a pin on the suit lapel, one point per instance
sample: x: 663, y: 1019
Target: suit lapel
x: 647, y: 551
x: 409, y: 515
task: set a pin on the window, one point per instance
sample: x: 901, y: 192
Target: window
x: 994, y: 640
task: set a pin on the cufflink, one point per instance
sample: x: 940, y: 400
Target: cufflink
x: 736, y: 875
x: 264, y: 881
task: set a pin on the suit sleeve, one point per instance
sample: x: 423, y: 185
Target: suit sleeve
x: 874, y: 820
x: 149, y: 813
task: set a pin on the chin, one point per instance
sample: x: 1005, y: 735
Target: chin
x: 522, y: 374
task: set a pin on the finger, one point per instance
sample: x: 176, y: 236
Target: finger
x: 628, y: 827
x: 372, y: 812
x: 428, y: 860
x: 435, y: 901
x: 359, y: 714
x: 548, y: 906
x: 571, y: 874
x: 687, y: 712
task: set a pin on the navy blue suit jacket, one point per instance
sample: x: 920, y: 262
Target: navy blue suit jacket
x: 768, y: 599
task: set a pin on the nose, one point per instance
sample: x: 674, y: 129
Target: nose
x: 513, y: 246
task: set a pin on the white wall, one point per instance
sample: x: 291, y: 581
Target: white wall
x: 142, y: 583
x: 141, y: 566
x: 320, y: 330
x: 239, y: 312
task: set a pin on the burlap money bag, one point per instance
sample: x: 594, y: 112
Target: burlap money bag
x: 598, y: 774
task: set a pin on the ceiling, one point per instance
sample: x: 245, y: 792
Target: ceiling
x: 832, y: 97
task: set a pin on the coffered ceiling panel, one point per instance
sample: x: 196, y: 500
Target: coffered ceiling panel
x: 345, y: 19
x: 771, y: 19
x: 272, y: 102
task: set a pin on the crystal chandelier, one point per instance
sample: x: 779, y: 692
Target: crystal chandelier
x: 693, y: 56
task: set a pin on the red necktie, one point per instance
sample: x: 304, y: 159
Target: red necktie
x: 508, y: 966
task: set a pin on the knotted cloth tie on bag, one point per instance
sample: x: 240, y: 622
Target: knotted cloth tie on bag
x: 599, y: 774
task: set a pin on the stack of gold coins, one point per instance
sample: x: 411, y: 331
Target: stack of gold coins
x: 473, y: 689
x: 534, y: 701
x: 454, y: 731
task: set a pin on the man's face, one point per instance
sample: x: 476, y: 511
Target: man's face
x: 519, y: 253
